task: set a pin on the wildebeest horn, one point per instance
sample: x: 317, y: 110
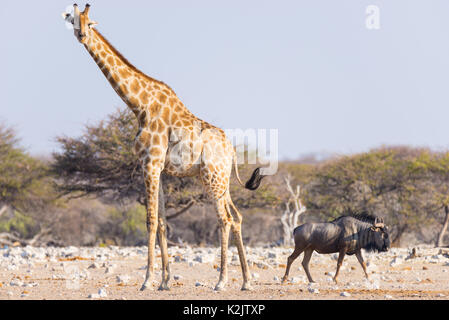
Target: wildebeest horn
x: 379, y: 223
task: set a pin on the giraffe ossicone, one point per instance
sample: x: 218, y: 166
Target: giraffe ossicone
x: 170, y: 139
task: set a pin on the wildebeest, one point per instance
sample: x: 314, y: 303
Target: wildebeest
x: 345, y: 235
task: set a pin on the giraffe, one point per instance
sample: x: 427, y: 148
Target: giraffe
x: 170, y: 139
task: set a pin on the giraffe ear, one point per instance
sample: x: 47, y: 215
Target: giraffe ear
x: 67, y: 17
x: 92, y: 24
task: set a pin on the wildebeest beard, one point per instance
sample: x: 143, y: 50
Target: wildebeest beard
x: 369, y: 243
x: 372, y: 247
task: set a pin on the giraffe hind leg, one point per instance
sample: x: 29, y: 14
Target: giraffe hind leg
x: 237, y: 233
x: 162, y: 237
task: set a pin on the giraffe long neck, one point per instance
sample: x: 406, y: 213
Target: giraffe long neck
x: 131, y: 85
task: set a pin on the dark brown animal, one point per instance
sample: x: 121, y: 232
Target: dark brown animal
x: 345, y: 235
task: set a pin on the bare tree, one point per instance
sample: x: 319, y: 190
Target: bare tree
x: 290, y: 217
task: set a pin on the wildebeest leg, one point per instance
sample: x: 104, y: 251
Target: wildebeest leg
x: 290, y: 260
x: 339, y: 264
x: 358, y: 254
x: 305, y: 263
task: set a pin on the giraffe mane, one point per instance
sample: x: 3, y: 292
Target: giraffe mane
x: 116, y: 52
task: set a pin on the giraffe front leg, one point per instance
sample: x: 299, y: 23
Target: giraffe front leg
x: 152, y: 176
x: 225, y: 224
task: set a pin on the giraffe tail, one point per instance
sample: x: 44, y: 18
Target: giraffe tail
x: 254, y: 182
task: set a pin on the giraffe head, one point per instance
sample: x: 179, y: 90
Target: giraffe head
x: 82, y: 25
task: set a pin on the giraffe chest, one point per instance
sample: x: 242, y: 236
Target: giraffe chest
x: 184, y: 151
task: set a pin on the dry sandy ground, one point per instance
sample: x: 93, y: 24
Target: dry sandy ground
x: 117, y: 273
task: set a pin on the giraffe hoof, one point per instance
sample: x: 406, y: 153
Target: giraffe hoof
x: 247, y: 287
x: 144, y: 287
x: 220, y: 287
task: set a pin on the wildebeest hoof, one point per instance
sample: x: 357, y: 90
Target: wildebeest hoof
x: 164, y: 287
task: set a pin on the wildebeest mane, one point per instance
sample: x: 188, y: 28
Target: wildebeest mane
x: 363, y: 216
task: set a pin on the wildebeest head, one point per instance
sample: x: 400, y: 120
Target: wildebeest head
x: 380, y: 240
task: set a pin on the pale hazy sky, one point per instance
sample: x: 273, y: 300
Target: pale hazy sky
x: 308, y: 68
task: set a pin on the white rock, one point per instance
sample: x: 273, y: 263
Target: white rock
x: 124, y: 279
x: 301, y: 279
x: 441, y: 295
x: 177, y: 277
x: 94, y: 296
x: 198, y: 284
x: 11, y: 267
x: 396, y: 261
x: 102, y: 293
x: 16, y: 283
x: 313, y: 290
x: 345, y: 294
x: 387, y: 296
x: 255, y: 275
x: 276, y: 278
x: 205, y: 258
x: 31, y: 284
x: 109, y: 270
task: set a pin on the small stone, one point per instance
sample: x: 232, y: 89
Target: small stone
x: 102, y: 293
x: 345, y: 294
x: 396, y: 261
x: 295, y: 280
x: 177, y: 277
x: 198, y: 284
x: 255, y: 275
x: 313, y: 290
x: 272, y: 255
x: 93, y: 266
x: 387, y: 296
x: 109, y: 270
x: 123, y: 279
x: 16, y: 283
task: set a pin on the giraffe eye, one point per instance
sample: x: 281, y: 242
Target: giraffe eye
x: 92, y: 24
